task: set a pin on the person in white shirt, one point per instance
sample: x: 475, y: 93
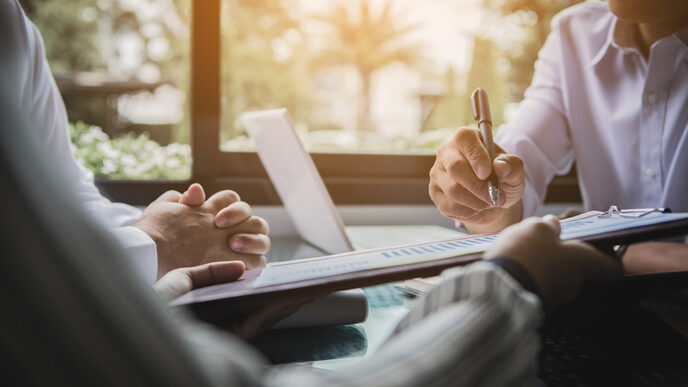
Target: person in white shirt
x: 177, y: 230
x: 610, y: 92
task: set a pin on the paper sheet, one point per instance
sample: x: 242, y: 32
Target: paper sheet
x: 304, y: 269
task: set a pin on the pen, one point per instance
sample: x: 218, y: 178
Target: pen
x: 481, y: 113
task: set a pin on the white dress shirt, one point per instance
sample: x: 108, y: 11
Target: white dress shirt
x: 26, y: 70
x: 595, y: 99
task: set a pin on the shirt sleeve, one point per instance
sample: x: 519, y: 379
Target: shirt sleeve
x: 142, y: 252
x: 539, y: 130
x: 477, y: 327
x: 28, y: 72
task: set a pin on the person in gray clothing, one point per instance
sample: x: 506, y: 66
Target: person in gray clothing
x: 75, y: 313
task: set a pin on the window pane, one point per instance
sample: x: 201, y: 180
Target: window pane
x: 376, y: 76
x: 122, y: 67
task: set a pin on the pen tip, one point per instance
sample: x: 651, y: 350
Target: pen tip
x: 494, y: 194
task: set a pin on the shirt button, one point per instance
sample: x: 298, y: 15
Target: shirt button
x: 653, y: 98
x: 649, y: 172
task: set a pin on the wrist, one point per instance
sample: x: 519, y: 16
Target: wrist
x: 517, y: 272
x: 155, y: 235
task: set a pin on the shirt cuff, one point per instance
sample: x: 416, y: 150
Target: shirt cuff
x: 517, y: 272
x: 142, y: 252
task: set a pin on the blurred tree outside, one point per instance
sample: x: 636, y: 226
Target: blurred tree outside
x: 260, y: 69
x: 451, y: 108
x: 268, y: 62
x: 368, y: 41
x: 535, y: 17
x: 454, y: 107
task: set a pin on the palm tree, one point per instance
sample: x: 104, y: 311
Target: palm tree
x: 368, y: 41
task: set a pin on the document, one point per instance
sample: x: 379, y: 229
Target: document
x: 587, y: 224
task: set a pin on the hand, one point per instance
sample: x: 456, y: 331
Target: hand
x: 655, y: 257
x: 180, y: 281
x: 557, y: 267
x: 458, y: 183
x: 189, y: 230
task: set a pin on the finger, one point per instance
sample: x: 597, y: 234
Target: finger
x: 194, y: 196
x: 253, y: 225
x: 251, y: 261
x: 221, y: 200
x: 457, y: 193
x: 569, y: 213
x: 470, y: 145
x: 215, y: 273
x: 539, y: 226
x: 447, y: 207
x: 233, y: 214
x: 553, y: 222
x: 460, y: 171
x: 169, y: 196
x: 258, y: 244
x: 509, y: 170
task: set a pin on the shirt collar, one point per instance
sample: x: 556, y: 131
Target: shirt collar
x: 623, y: 36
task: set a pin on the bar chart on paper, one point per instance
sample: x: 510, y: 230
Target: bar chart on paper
x: 303, y: 269
x: 589, y: 223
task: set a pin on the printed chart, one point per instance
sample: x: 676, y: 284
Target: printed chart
x: 586, y: 224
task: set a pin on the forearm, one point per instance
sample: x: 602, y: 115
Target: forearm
x: 654, y: 257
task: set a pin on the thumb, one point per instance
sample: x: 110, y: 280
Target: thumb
x: 194, y: 196
x: 215, y: 273
x: 553, y: 222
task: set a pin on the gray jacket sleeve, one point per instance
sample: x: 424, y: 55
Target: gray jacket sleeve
x: 478, y: 327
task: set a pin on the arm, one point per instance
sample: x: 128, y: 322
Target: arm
x: 479, y: 325
x: 656, y: 257
x: 168, y: 234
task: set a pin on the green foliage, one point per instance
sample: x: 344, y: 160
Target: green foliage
x: 128, y: 157
x: 68, y: 37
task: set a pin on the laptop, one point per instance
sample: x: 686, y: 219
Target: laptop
x: 297, y: 181
x: 315, y: 217
x: 307, y: 201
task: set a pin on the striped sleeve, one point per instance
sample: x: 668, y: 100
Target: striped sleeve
x: 477, y: 327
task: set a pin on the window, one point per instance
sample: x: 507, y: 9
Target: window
x: 123, y: 71
x: 374, y: 86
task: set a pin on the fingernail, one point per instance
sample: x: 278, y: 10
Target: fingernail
x: 482, y: 172
x: 503, y: 168
x: 222, y: 222
x: 237, y: 244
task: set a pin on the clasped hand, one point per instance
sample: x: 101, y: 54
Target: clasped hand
x: 189, y: 230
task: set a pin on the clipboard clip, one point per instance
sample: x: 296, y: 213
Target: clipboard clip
x: 634, y: 213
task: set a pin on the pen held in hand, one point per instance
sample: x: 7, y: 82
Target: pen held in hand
x: 481, y: 114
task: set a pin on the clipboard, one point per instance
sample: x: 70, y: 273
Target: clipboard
x: 231, y: 301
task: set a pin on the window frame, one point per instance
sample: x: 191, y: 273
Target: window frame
x: 350, y: 178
